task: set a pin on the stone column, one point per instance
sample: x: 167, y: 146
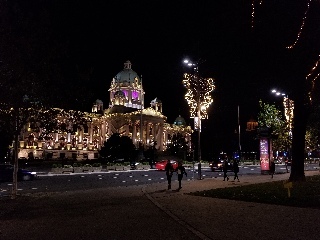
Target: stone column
x: 90, y: 133
x: 161, y: 136
x: 103, y: 131
x: 147, y: 133
x: 134, y: 133
x: 80, y: 136
x: 127, y: 129
x: 69, y: 138
x: 130, y: 97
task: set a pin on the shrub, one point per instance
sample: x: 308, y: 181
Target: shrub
x: 54, y: 165
x: 96, y: 165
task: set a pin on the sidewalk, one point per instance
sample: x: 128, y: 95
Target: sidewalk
x: 152, y: 212
x: 211, y: 218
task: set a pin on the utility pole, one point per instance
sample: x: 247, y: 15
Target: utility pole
x: 239, y: 133
x: 15, y: 154
x: 199, y: 129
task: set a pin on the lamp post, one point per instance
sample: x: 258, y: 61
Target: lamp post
x: 288, y: 112
x: 199, y: 99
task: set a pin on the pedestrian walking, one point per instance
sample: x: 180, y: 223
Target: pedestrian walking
x: 236, y: 170
x: 272, y: 168
x: 181, y: 171
x: 225, y: 170
x: 286, y: 163
x: 169, y: 171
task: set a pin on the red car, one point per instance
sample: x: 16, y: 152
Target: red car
x: 162, y: 164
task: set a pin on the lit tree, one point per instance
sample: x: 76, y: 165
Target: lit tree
x: 302, y: 60
x: 199, y: 99
x: 117, y: 147
x: 178, y: 146
x: 198, y: 91
x: 271, y: 117
x: 36, y: 71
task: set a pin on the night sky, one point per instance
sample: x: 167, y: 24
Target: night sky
x: 99, y: 36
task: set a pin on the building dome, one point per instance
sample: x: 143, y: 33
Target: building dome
x: 127, y: 75
x: 180, y: 121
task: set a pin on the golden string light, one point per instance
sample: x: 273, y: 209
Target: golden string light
x: 198, y: 90
x: 301, y: 27
x: 315, y: 77
x: 253, y: 11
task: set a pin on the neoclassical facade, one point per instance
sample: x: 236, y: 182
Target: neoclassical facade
x: 125, y: 115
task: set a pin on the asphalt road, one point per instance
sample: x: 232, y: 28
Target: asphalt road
x: 85, y: 181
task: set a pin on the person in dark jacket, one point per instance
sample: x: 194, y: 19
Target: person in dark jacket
x: 272, y: 168
x: 225, y: 170
x: 236, y: 170
x: 181, y: 171
x: 169, y: 171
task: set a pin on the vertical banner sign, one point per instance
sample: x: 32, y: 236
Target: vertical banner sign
x: 197, y: 124
x: 264, y: 154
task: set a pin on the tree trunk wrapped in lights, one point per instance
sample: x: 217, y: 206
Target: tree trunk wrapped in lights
x: 199, y: 99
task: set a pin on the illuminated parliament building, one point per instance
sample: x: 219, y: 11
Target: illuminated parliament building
x: 125, y: 114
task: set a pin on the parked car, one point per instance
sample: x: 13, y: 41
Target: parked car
x: 134, y: 165
x: 6, y: 174
x: 162, y: 164
x: 218, y: 165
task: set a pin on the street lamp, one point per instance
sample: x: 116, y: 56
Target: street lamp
x: 199, y: 99
x: 288, y: 111
x: 288, y: 108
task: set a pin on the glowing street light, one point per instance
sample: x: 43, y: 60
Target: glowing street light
x: 288, y: 112
x: 199, y: 99
x: 288, y: 108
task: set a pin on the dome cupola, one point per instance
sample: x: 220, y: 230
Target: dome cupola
x: 127, y: 75
x: 180, y: 121
x: 127, y: 85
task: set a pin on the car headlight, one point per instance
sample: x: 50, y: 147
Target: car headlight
x: 34, y: 173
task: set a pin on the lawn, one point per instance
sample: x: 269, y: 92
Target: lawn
x: 302, y: 194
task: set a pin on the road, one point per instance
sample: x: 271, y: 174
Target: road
x: 85, y: 181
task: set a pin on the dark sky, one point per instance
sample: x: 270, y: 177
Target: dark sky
x: 157, y: 35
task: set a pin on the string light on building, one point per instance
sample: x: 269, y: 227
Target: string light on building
x: 199, y: 99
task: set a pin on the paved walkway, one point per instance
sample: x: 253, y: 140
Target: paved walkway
x: 211, y: 218
x: 152, y: 212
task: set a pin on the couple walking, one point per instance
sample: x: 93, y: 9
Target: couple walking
x: 169, y: 172
x: 235, y: 170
